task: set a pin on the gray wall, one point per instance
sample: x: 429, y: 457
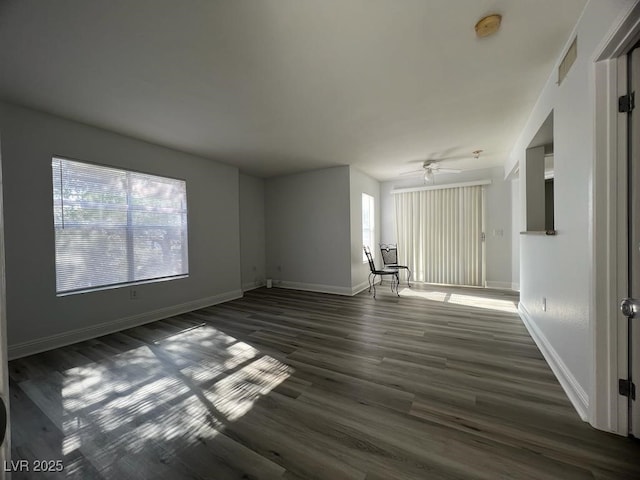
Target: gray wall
x: 359, y: 184
x: 252, y: 232
x: 37, y: 319
x: 556, y: 272
x: 497, y: 218
x: 308, y: 230
x: 515, y: 233
x: 532, y: 176
x: 498, y: 230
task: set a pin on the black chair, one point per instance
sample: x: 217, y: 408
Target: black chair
x: 389, y: 253
x: 395, y: 281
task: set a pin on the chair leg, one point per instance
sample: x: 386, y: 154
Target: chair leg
x: 370, y: 282
x: 408, y: 277
x: 397, y: 284
x: 374, y: 286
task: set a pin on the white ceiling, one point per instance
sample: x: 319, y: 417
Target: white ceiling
x: 281, y: 86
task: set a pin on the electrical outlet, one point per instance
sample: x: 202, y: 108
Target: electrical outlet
x: 133, y: 294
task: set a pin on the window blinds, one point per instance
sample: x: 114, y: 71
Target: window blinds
x: 440, y: 234
x: 368, y: 224
x: 115, y: 226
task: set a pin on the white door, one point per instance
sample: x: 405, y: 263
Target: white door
x: 634, y: 243
x: 631, y: 307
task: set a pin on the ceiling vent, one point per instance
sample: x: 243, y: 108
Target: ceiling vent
x: 567, y: 61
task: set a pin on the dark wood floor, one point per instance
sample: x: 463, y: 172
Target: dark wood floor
x: 441, y: 383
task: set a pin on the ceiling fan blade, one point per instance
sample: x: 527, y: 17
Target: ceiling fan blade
x: 412, y: 172
x: 446, y: 170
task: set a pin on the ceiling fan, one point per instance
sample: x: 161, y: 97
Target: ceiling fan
x: 431, y: 168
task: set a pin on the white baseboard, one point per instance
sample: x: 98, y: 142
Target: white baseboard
x: 499, y: 285
x: 252, y: 286
x: 314, y: 287
x: 105, y: 328
x: 572, y: 388
x: 515, y: 287
x: 359, y: 288
x: 319, y: 288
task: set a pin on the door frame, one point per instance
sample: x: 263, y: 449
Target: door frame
x: 607, y: 409
x: 5, y: 448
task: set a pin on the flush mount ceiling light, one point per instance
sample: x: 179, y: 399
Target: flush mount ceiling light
x: 488, y: 25
x: 428, y: 174
x: 432, y: 167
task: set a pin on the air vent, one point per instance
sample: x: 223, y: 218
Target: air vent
x: 567, y: 61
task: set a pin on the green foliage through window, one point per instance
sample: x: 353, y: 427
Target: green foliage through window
x: 116, y: 226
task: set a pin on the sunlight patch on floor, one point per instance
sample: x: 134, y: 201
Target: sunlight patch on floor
x: 234, y: 395
x: 202, y: 336
x: 483, y: 302
x: 476, y: 301
x: 158, y: 393
x: 435, y: 296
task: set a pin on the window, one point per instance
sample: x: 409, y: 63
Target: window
x: 368, y: 224
x: 115, y: 227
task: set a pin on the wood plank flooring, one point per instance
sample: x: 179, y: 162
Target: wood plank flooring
x: 441, y: 383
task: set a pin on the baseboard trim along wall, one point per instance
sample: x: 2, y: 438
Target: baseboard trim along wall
x: 359, y: 288
x: 319, y: 288
x: 572, y: 388
x: 314, y: 287
x: 105, y: 328
x: 499, y: 285
x: 252, y: 286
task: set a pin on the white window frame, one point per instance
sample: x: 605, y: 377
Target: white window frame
x: 151, y: 228
x: 368, y: 224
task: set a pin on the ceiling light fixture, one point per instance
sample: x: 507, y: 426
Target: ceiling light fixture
x: 428, y: 174
x: 488, y: 25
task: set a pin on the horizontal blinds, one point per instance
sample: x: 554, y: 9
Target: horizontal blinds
x: 440, y: 234
x: 115, y: 226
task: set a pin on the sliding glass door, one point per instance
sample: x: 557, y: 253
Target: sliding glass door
x: 440, y: 234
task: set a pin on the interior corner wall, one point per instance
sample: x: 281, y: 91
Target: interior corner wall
x: 497, y: 218
x: 559, y: 268
x: 388, y: 233
x: 497, y: 229
x: 308, y: 230
x: 359, y: 184
x: 37, y: 319
x: 534, y: 188
x: 252, y: 232
x: 515, y: 233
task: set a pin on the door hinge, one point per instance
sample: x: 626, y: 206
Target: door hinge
x: 627, y: 103
x: 483, y: 236
x: 627, y: 388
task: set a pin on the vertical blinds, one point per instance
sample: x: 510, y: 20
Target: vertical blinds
x: 115, y: 226
x: 440, y: 234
